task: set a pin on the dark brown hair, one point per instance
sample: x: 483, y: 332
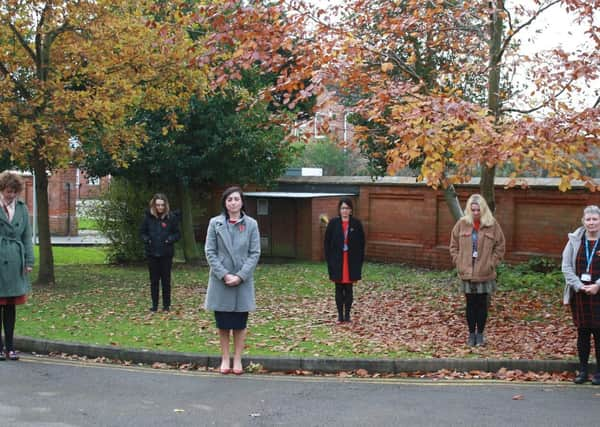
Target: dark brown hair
x: 346, y: 200
x: 227, y: 193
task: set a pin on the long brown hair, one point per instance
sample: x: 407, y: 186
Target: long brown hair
x: 152, y: 206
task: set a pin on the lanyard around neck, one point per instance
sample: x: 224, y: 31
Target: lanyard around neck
x: 589, y: 256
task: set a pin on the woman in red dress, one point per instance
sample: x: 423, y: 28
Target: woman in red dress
x: 344, y: 253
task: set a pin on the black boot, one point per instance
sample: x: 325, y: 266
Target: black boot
x: 471, y: 341
x: 582, y: 377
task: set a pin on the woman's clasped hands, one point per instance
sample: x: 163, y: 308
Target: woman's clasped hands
x: 232, y: 279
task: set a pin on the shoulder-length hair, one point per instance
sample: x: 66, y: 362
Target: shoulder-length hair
x: 152, y: 204
x: 486, y: 218
x: 228, y: 192
x: 348, y: 202
x: 11, y: 180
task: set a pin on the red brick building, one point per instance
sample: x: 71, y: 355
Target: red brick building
x: 65, y: 188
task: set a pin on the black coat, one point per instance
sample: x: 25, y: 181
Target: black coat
x: 334, y: 248
x: 159, y: 234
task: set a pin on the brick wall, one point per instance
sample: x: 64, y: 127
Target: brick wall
x: 410, y: 223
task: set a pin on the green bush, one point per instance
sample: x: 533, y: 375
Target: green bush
x: 535, y: 274
x: 119, y: 216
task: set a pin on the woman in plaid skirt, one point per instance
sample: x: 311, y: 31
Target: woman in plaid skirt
x: 477, y: 246
x: 581, y: 268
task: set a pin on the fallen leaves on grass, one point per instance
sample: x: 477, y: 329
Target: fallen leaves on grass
x: 398, y: 313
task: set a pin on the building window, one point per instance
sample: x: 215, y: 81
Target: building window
x: 262, y: 207
x: 93, y: 180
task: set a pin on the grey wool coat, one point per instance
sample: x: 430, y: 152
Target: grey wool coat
x: 16, y: 252
x: 233, y: 249
x: 569, y: 260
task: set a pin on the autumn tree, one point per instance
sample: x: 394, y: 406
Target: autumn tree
x: 437, y: 77
x: 76, y: 71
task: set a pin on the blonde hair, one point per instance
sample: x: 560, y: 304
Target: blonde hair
x: 486, y: 218
x: 159, y: 196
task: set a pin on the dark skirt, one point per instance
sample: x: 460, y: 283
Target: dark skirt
x: 231, y: 319
x: 586, y: 310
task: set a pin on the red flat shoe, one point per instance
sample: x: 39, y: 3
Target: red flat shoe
x: 238, y: 371
x: 224, y: 371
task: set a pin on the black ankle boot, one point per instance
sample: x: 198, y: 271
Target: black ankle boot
x: 581, y: 378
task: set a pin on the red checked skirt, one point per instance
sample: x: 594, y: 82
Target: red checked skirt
x: 21, y: 299
x: 586, y: 308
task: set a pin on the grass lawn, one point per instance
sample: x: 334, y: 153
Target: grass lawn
x: 87, y: 224
x: 399, y: 312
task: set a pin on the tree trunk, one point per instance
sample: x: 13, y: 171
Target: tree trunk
x: 486, y: 186
x: 190, y: 248
x: 452, y: 202
x: 46, y: 261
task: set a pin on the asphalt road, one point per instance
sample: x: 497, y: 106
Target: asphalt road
x: 51, y: 392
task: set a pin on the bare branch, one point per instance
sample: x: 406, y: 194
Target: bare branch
x: 542, y: 105
x: 510, y: 37
x: 597, y: 104
x: 21, y: 40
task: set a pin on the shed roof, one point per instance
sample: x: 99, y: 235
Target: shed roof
x: 293, y: 194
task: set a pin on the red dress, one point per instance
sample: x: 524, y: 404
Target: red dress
x: 345, y: 267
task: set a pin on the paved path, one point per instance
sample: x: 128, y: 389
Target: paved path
x: 85, y: 238
x: 38, y: 391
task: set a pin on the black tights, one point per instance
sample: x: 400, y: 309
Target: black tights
x: 8, y: 313
x: 343, y: 300
x: 477, y: 311
x: 584, y: 346
x: 160, y: 272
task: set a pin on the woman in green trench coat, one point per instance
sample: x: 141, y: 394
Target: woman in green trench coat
x: 16, y: 258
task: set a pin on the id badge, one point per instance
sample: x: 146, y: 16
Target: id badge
x: 585, y: 277
x: 474, y: 254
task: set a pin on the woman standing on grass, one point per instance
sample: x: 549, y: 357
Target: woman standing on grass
x: 581, y: 268
x: 159, y: 231
x: 477, y: 247
x: 16, y: 255
x: 344, y: 253
x: 232, y: 250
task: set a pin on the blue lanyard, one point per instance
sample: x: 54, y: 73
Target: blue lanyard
x: 589, y: 256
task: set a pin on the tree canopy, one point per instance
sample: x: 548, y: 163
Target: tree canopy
x: 435, y: 76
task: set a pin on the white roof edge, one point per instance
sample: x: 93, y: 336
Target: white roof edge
x: 293, y: 194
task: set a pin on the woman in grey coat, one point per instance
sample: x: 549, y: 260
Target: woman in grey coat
x: 16, y: 256
x: 581, y: 268
x: 232, y: 250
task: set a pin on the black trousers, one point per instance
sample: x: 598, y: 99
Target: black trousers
x: 8, y: 314
x: 343, y: 300
x: 477, y: 312
x: 584, y: 346
x: 160, y: 272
